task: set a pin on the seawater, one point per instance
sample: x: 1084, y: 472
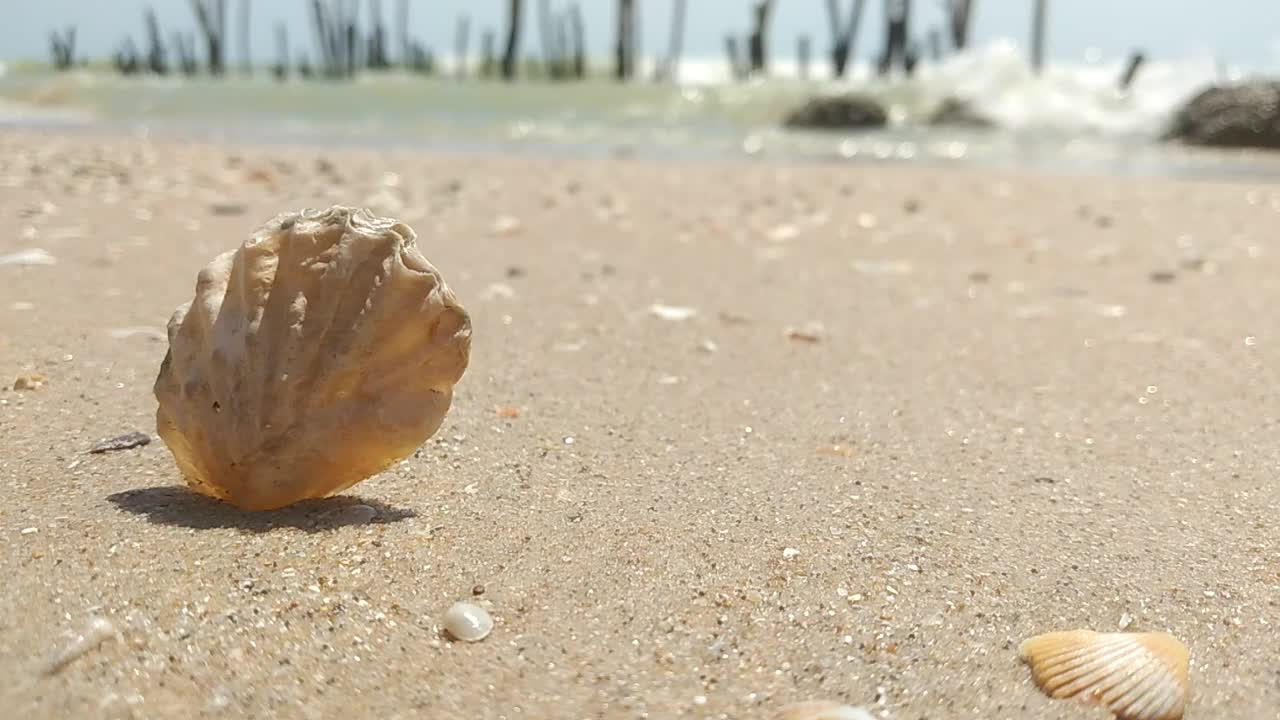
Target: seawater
x: 1070, y: 118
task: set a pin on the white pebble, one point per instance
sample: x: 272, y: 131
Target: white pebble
x: 788, y: 553
x: 784, y: 232
x: 506, y: 225
x: 30, y: 256
x: 672, y: 312
x: 467, y: 622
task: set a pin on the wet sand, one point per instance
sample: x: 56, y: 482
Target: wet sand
x: 917, y: 416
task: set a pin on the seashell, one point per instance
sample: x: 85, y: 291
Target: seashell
x: 672, y: 312
x: 821, y: 710
x: 1137, y: 676
x: 30, y: 256
x: 97, y: 632
x: 317, y: 354
x: 467, y: 622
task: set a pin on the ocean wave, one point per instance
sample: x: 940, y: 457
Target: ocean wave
x: 997, y: 79
x: 1076, y: 104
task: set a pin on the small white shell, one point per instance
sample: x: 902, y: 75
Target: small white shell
x: 467, y: 622
x: 821, y: 710
x: 674, y: 313
x: 1137, y: 676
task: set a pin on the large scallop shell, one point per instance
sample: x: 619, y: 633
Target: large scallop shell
x: 317, y: 354
x: 1137, y: 676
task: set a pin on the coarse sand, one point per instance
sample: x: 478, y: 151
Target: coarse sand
x: 734, y: 434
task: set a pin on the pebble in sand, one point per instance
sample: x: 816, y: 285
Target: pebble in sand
x: 467, y: 622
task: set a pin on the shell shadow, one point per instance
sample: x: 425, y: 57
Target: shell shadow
x: 175, y: 505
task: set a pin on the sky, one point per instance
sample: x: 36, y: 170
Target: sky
x: 1235, y: 31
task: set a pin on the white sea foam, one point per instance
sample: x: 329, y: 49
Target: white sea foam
x: 997, y: 78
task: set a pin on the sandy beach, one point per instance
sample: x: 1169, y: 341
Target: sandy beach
x: 915, y: 416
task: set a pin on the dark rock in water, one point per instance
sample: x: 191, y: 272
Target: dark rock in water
x: 1246, y: 115
x: 955, y: 112
x: 839, y: 112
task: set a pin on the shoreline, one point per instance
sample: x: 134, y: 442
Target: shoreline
x: 1150, y: 161
x: 917, y: 416
x: 1106, y: 133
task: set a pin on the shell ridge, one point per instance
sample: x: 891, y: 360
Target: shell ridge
x: 1070, y: 652
x: 1155, y: 701
x: 332, y: 280
x: 359, y: 286
x: 257, y: 290
x: 1076, y: 678
x: 369, y: 317
x: 1068, y: 655
x: 1137, y: 676
x: 1141, y: 706
x: 400, y: 333
x: 279, y: 322
x: 1125, y: 693
x: 1164, y: 647
x: 287, y: 314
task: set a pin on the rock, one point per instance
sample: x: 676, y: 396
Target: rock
x: 954, y: 112
x: 1245, y: 115
x: 127, y: 441
x: 838, y: 112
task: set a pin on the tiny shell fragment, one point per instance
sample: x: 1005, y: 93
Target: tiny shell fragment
x: 784, y: 232
x: 29, y: 381
x: 821, y: 710
x: 672, y: 312
x: 506, y: 225
x: 467, y: 622
x: 122, y: 442
x: 1136, y: 676
x: 811, y: 332
x: 30, y: 256
x: 97, y: 632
